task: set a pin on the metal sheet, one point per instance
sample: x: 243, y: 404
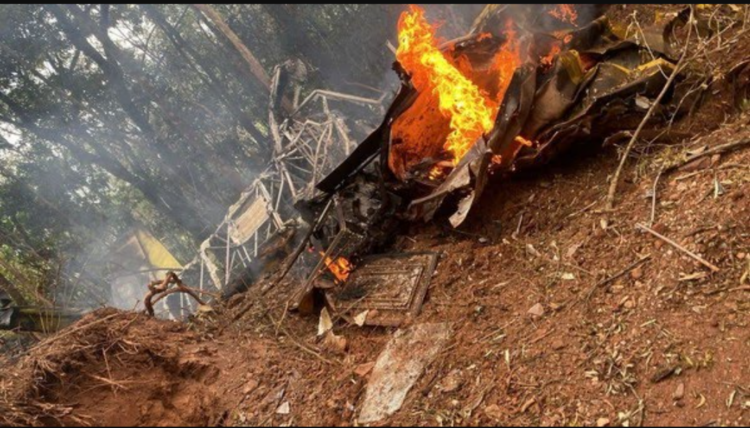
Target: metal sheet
x: 391, y: 286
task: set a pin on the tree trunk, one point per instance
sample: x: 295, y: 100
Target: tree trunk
x: 115, y: 57
x: 207, y: 75
x: 255, y: 68
x: 171, y: 205
x: 12, y: 291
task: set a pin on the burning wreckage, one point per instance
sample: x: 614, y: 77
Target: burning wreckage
x: 517, y: 91
x: 504, y: 98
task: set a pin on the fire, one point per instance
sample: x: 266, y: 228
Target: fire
x: 566, y: 13
x: 340, y: 268
x: 470, y: 110
x: 555, y: 50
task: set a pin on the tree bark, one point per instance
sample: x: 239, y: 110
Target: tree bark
x: 173, y: 206
x: 205, y: 72
x: 12, y: 291
x: 255, y: 68
x: 172, y: 118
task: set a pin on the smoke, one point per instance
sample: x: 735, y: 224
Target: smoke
x: 96, y: 172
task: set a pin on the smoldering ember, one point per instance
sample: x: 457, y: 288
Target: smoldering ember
x: 363, y: 214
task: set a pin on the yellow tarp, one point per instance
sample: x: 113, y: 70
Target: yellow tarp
x: 158, y: 255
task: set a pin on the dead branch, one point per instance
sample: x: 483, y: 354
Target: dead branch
x: 724, y: 148
x: 678, y: 68
x: 158, y: 290
x: 694, y: 256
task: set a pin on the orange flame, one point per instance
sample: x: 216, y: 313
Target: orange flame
x: 470, y: 110
x: 340, y: 268
x: 555, y: 50
x: 566, y: 13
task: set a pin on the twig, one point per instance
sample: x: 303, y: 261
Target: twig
x: 301, y: 345
x: 694, y: 256
x: 653, y: 198
x: 678, y: 68
x: 615, y: 276
x: 728, y: 147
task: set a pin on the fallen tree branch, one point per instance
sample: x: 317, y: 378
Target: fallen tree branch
x: 678, y: 68
x: 694, y: 256
x: 158, y: 290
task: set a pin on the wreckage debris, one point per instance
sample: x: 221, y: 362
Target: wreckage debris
x: 527, y: 93
x: 388, y: 289
x: 398, y: 368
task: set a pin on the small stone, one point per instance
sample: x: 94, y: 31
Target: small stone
x: 679, y: 393
x: 741, y: 256
x: 363, y: 370
x: 493, y: 412
x: 536, y: 310
x: 637, y: 273
x: 602, y: 422
x: 451, y: 382
x: 630, y: 304
x: 336, y: 344
x: 250, y: 386
x: 284, y: 409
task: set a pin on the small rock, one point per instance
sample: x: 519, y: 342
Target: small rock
x: 637, y: 273
x: 679, y: 393
x: 250, y: 386
x: 451, y: 382
x: 602, y: 422
x: 741, y: 256
x: 284, y: 409
x: 336, y: 344
x: 363, y: 370
x: 558, y: 345
x: 493, y: 412
x: 536, y: 310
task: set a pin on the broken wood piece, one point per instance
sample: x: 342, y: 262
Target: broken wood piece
x: 694, y: 256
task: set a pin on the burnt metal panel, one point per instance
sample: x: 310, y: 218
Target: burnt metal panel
x: 392, y: 287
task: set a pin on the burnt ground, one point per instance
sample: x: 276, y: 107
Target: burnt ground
x: 664, y: 343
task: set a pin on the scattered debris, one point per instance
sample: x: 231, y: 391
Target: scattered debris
x: 158, y: 290
x: 679, y: 393
x: 334, y: 343
x: 363, y: 370
x: 451, y: 382
x: 393, y: 284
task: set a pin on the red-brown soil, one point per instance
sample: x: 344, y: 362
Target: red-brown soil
x: 666, y: 343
